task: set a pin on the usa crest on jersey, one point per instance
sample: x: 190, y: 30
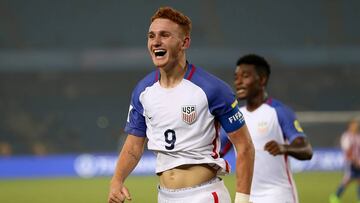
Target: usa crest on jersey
x: 189, y: 114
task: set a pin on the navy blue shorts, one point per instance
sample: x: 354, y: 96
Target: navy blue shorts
x: 354, y: 172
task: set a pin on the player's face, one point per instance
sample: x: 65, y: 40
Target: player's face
x: 354, y: 127
x: 247, y: 81
x: 166, y: 43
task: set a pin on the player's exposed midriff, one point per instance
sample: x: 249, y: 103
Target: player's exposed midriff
x: 186, y: 176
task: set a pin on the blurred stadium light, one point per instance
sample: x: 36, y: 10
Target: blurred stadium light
x: 327, y: 116
x: 138, y: 58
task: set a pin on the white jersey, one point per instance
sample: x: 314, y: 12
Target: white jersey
x: 350, y: 144
x: 272, y: 180
x: 182, y: 123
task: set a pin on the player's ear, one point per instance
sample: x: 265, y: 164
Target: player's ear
x: 263, y: 80
x: 186, y: 42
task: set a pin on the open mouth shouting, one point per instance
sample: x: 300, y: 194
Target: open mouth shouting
x: 159, y: 53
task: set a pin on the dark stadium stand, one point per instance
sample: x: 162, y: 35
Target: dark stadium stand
x: 67, y: 68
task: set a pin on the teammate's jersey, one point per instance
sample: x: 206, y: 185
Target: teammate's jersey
x: 182, y: 123
x: 350, y: 144
x: 272, y: 176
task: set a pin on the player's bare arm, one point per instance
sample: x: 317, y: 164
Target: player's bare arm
x: 129, y: 157
x: 244, y: 159
x: 299, y: 148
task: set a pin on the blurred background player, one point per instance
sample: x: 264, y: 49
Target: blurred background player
x: 275, y: 131
x: 350, y: 144
x: 179, y: 109
x: 5, y: 149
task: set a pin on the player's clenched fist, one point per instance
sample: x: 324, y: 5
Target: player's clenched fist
x: 118, y: 193
x: 274, y: 148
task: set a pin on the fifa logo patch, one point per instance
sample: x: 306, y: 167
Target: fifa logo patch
x: 189, y: 114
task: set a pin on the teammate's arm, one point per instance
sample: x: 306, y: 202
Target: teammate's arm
x: 128, y: 159
x: 299, y: 148
x: 244, y: 160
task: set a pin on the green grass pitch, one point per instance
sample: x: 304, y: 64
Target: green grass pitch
x: 313, y: 187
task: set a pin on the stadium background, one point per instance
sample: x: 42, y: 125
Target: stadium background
x: 67, y: 69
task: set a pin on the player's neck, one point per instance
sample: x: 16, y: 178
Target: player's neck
x: 255, y: 102
x: 172, y: 76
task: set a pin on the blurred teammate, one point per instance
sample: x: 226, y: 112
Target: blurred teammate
x: 350, y: 144
x: 275, y: 131
x: 5, y: 148
x: 179, y: 108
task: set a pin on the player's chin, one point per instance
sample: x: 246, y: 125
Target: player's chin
x: 159, y: 62
x: 241, y: 93
x: 241, y: 96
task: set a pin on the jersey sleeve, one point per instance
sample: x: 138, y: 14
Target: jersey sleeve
x: 289, y: 124
x: 224, y: 106
x: 221, y: 99
x: 232, y: 119
x: 135, y: 123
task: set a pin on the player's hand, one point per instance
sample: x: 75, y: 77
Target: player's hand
x: 275, y: 148
x: 118, y: 193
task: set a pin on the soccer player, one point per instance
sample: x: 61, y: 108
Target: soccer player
x: 275, y: 131
x: 178, y: 109
x: 350, y: 144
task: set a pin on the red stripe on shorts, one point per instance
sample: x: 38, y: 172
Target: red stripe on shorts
x: 216, y: 198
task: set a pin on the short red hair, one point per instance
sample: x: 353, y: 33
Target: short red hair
x: 175, y: 16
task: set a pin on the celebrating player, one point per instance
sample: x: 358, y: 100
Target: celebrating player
x: 275, y: 131
x: 179, y: 108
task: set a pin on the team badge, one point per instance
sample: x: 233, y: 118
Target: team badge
x: 262, y: 127
x: 189, y: 114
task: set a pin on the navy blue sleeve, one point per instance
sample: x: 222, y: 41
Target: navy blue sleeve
x: 288, y: 121
x: 135, y: 123
x: 222, y: 102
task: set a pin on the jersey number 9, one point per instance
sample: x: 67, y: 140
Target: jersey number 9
x: 170, y: 139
